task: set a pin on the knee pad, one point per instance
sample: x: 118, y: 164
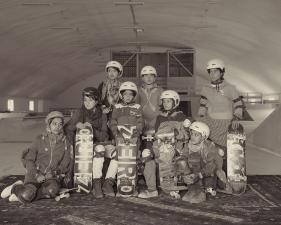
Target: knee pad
x: 182, y: 167
x: 52, y: 188
x: 146, y: 155
x: 111, y: 152
x: 99, y: 151
x: 25, y: 193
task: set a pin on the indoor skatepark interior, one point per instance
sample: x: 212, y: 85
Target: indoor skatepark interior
x: 52, y: 49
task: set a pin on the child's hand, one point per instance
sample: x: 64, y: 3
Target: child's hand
x: 106, y: 110
x: 79, y: 125
x: 40, y: 178
x: 234, y: 124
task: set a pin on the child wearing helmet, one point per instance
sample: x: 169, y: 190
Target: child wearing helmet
x: 91, y: 112
x: 169, y: 119
x: 149, y: 98
x: 204, y: 161
x: 48, y: 163
x: 220, y: 104
x: 127, y: 111
x: 109, y: 88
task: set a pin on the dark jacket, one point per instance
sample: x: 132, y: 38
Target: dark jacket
x: 96, y: 118
x: 46, y: 158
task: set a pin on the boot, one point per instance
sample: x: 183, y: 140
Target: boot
x: 97, y: 192
x: 107, y: 187
x: 148, y: 194
x: 198, y: 197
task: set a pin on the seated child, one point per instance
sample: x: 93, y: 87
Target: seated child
x: 91, y: 112
x: 48, y: 163
x: 204, y: 161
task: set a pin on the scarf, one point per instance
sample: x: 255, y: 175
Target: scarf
x: 110, y: 91
x: 54, y: 138
x: 218, y: 84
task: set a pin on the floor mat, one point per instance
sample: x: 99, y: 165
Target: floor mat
x: 259, y: 205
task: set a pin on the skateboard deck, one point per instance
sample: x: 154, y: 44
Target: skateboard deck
x: 127, y: 161
x: 236, y: 161
x: 83, y: 158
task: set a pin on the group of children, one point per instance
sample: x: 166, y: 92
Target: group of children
x: 199, y: 150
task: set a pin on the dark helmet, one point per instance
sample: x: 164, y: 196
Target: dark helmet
x: 91, y: 92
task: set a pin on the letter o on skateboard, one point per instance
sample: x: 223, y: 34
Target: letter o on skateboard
x: 99, y: 151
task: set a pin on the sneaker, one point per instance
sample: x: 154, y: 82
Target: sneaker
x: 97, y: 192
x: 211, y: 191
x: 13, y: 198
x: 7, y: 191
x: 148, y: 194
x: 107, y: 187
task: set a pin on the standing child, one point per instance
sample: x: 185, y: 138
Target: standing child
x: 205, y: 163
x: 91, y: 112
x: 149, y: 98
x: 220, y: 105
x: 109, y: 88
x: 168, y: 120
x: 127, y: 112
x: 48, y: 163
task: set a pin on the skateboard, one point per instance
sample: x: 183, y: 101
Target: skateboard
x: 236, y: 161
x: 127, y: 160
x: 83, y: 158
x: 64, y: 193
x: 169, y: 181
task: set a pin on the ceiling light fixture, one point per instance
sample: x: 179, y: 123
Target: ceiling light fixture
x: 62, y: 28
x: 36, y: 4
x: 129, y: 3
x: 137, y: 29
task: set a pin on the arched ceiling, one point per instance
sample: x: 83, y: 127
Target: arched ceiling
x: 48, y: 45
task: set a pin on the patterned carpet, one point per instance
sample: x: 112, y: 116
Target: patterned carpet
x: 259, y: 205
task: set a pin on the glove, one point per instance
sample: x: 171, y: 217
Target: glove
x: 106, y: 110
x: 49, y: 176
x: 67, y: 180
x: 40, y: 178
x: 192, y: 178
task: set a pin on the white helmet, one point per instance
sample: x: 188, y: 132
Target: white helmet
x: 128, y: 85
x: 52, y: 115
x: 171, y: 94
x: 148, y: 70
x: 216, y: 64
x: 116, y: 65
x: 200, y: 127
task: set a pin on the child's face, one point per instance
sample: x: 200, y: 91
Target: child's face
x: 167, y: 103
x: 148, y: 78
x: 112, y: 73
x: 215, y: 74
x: 128, y: 96
x: 89, y: 102
x: 195, y: 137
x: 56, y: 125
